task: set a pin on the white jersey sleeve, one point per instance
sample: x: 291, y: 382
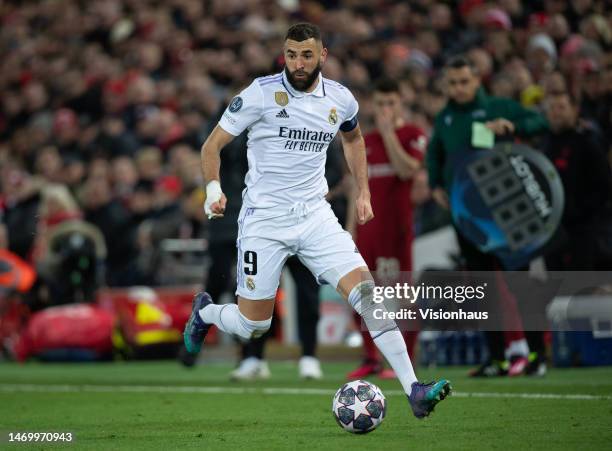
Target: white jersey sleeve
x: 243, y: 110
x: 352, y: 108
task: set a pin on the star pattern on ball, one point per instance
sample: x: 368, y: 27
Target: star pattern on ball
x: 359, y: 406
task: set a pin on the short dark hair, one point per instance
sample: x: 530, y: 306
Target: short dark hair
x: 386, y: 85
x: 302, y: 31
x: 459, y: 62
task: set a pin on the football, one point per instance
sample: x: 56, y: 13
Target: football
x: 359, y: 407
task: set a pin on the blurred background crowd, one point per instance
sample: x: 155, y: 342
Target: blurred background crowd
x: 104, y: 104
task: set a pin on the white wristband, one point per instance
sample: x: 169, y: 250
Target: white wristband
x: 213, y: 194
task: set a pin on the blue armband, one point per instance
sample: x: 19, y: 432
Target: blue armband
x: 349, y: 125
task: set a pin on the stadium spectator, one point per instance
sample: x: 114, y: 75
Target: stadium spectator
x: 124, y: 176
x: 140, y: 202
x: 166, y: 221
x: 57, y: 206
x: 69, y: 252
x: 576, y: 150
x: 114, y: 139
x: 149, y: 163
x: 49, y: 165
x: 20, y: 203
x: 104, y: 211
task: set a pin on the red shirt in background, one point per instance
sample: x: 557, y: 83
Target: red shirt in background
x: 386, y: 241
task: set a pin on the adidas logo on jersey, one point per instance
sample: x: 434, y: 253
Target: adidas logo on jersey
x: 282, y: 114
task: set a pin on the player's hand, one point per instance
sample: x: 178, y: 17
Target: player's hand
x: 218, y: 208
x: 364, y: 208
x: 500, y: 126
x: 214, y: 205
x: 441, y: 198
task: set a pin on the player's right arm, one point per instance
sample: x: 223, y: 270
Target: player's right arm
x: 214, y: 206
x: 244, y: 110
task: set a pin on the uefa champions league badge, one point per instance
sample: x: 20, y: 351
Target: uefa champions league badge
x: 236, y: 104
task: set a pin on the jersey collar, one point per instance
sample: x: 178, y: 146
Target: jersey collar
x: 319, y: 91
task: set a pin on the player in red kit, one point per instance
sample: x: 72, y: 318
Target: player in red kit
x: 394, y: 153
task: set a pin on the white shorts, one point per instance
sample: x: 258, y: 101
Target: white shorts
x: 266, y: 239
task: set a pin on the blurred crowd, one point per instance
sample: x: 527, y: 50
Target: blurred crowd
x: 104, y: 104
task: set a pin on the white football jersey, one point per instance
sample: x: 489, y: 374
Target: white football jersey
x: 289, y: 132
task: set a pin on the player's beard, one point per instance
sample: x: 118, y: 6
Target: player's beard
x: 304, y: 83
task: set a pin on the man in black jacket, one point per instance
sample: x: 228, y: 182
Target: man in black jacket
x: 577, y: 151
x: 19, y: 209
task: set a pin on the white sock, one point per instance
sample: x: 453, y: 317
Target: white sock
x: 393, y: 347
x: 386, y: 335
x: 227, y: 317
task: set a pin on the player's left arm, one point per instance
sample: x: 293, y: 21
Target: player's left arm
x: 215, y: 202
x: 355, y: 154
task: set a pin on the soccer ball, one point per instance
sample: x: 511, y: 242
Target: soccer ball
x: 359, y: 407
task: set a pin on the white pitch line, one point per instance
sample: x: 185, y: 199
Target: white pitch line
x: 63, y: 388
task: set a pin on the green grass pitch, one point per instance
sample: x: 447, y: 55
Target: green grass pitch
x: 159, y: 405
